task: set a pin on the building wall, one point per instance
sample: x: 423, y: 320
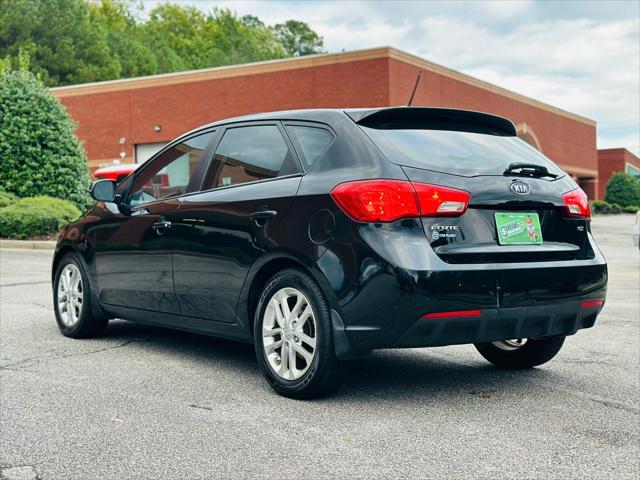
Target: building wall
x: 132, y: 113
x: 133, y: 109
x: 612, y: 160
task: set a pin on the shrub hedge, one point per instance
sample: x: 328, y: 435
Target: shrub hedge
x: 36, y: 217
x: 623, y: 189
x: 39, y: 151
x: 6, y: 198
x: 600, y: 206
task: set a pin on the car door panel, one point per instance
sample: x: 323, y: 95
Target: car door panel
x: 249, y: 184
x: 134, y: 260
x: 134, y: 247
x: 217, y: 241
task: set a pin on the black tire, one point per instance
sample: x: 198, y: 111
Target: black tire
x: 326, y: 370
x: 533, y: 353
x: 88, y: 324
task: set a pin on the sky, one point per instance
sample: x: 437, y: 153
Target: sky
x: 583, y: 57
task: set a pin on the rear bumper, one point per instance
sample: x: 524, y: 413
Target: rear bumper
x: 501, y: 324
x: 384, y: 289
x: 488, y: 326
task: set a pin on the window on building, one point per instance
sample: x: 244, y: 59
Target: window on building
x: 248, y: 154
x: 168, y: 175
x: 631, y: 170
x: 312, y: 140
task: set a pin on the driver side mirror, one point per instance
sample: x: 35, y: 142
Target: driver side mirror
x: 103, y: 190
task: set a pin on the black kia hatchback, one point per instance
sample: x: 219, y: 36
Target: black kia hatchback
x: 321, y: 235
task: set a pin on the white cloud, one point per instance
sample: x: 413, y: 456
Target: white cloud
x: 579, y: 65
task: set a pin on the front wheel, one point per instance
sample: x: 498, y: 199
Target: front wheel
x: 293, y: 337
x: 521, y: 353
x: 72, y: 300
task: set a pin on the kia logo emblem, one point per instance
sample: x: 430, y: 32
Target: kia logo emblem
x: 520, y: 188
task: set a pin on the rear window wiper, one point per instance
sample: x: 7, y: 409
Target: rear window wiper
x: 528, y: 170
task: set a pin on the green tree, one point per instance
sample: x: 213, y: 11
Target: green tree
x: 298, y: 39
x: 64, y: 44
x: 78, y: 41
x: 623, y: 189
x: 124, y: 37
x: 180, y: 33
x: 243, y: 40
x: 39, y: 152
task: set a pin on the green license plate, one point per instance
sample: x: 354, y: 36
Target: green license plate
x: 518, y: 228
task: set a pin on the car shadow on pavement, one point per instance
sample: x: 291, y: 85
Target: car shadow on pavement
x: 201, y: 348
x: 432, y: 373
x: 421, y: 374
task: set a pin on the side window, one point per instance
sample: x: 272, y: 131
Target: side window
x: 168, y: 175
x: 247, y: 154
x: 312, y: 140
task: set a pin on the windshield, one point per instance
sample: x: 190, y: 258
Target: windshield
x: 460, y: 153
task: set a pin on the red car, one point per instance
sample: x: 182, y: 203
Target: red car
x: 115, y: 172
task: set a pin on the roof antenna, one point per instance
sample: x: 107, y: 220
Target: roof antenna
x: 413, y: 94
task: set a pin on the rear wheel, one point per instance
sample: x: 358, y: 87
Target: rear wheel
x: 521, y: 353
x: 293, y: 337
x: 72, y: 301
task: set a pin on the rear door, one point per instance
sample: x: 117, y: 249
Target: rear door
x: 248, y: 188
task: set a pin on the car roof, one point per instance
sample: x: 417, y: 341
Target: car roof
x: 364, y: 115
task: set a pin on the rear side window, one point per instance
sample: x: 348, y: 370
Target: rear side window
x: 247, y: 154
x: 313, y: 142
x: 460, y: 153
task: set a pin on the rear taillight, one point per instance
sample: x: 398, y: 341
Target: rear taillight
x: 577, y: 204
x: 390, y: 200
x: 436, y: 201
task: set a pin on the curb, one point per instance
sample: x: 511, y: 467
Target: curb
x: 28, y: 244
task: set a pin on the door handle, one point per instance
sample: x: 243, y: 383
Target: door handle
x: 261, y: 216
x: 160, y: 226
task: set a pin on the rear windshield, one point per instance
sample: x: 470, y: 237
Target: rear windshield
x: 459, y: 153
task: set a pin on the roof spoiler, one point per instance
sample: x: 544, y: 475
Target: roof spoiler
x: 396, y: 118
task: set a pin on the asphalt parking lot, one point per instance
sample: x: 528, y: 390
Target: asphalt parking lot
x: 144, y: 402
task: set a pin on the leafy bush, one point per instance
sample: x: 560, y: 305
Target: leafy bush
x: 38, y: 147
x: 631, y: 209
x: 36, y: 217
x: 600, y: 206
x: 615, y: 208
x: 623, y: 189
x: 6, y: 198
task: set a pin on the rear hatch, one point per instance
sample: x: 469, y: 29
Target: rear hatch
x: 520, y: 208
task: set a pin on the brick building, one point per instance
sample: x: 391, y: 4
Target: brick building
x: 133, y: 118
x: 612, y: 160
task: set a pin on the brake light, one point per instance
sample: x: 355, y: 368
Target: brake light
x: 376, y: 200
x: 390, y: 200
x: 436, y: 201
x: 577, y: 204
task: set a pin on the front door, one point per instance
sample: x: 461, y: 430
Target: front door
x: 134, y: 250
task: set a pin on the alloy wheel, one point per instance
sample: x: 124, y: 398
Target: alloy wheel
x: 508, y: 345
x: 70, y: 295
x: 289, y: 333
